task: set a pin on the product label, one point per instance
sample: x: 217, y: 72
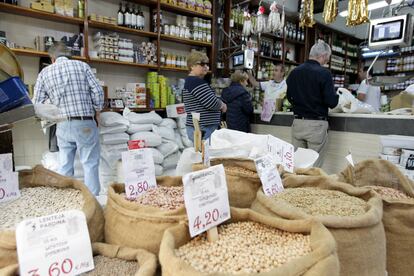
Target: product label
x: 206, y: 199
x: 54, y: 245
x: 282, y: 152
x: 139, y: 171
x: 269, y: 175
x: 136, y: 144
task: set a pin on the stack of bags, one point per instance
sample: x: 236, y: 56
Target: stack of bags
x: 114, y: 139
x: 182, y: 132
x: 170, y: 146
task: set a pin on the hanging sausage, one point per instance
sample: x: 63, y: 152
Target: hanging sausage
x: 274, y: 18
x: 330, y: 11
x: 306, y: 14
x: 357, y: 12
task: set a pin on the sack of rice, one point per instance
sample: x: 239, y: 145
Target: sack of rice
x: 242, y: 180
x: 397, y: 193
x: 134, y: 128
x: 164, y: 132
x: 168, y: 122
x: 151, y: 139
x: 157, y: 156
x: 112, y: 129
x: 159, y: 170
x: 168, y: 148
x: 251, y: 244
x: 171, y: 161
x: 352, y: 215
x: 143, y: 118
x: 115, y: 138
x: 109, y: 119
x: 140, y: 223
x: 44, y: 192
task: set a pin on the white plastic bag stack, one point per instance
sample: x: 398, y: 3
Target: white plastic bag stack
x: 183, y: 132
x: 169, y: 147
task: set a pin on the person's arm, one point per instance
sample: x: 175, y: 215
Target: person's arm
x: 40, y: 94
x: 252, y: 80
x: 97, y: 94
x: 329, y: 95
x: 206, y: 96
x: 362, y: 91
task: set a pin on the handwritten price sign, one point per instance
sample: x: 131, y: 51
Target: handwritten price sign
x: 269, y: 175
x: 54, y: 245
x: 282, y: 152
x: 206, y: 199
x: 9, y: 186
x: 139, y: 171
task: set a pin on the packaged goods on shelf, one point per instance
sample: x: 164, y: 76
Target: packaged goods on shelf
x: 124, y: 218
x: 107, y: 45
x: 359, y: 227
x: 244, y: 236
x: 398, y: 210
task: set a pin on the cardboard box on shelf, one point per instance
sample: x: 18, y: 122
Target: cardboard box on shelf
x: 402, y: 100
x: 42, y: 6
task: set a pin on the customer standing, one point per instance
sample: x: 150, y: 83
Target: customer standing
x: 199, y: 97
x: 273, y: 89
x: 368, y: 93
x: 311, y: 92
x: 239, y: 103
x: 72, y: 87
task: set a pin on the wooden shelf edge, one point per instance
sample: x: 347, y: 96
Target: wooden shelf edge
x: 112, y: 27
x: 115, y: 62
x: 164, y: 68
x: 185, y: 41
x: 270, y: 58
x: 19, y: 10
x: 169, y: 7
x: 34, y: 53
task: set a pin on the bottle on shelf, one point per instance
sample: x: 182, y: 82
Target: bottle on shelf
x: 133, y: 17
x: 162, y: 58
x: 141, y: 19
x: 127, y: 18
x: 81, y: 8
x: 120, y: 20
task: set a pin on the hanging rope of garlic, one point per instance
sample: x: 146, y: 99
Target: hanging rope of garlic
x: 330, y: 11
x: 306, y: 14
x: 357, y: 12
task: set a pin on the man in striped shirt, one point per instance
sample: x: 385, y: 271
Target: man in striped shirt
x: 72, y: 87
x: 199, y: 97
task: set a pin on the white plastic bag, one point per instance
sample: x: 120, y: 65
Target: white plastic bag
x: 171, y: 161
x: 158, y: 170
x: 187, y: 159
x: 112, y: 119
x: 157, y: 156
x: 151, y: 139
x: 169, y: 172
x: 168, y: 148
x: 112, y: 129
x: 168, y: 122
x: 164, y: 132
x: 187, y: 142
x: 178, y: 140
x: 142, y: 118
x: 134, y: 128
x: 48, y: 112
x: 181, y: 121
x: 115, y: 138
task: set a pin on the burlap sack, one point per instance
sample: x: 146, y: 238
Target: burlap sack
x: 398, y: 215
x: 146, y: 261
x: 321, y: 261
x: 40, y: 176
x: 360, y: 240
x: 138, y: 226
x: 242, y: 180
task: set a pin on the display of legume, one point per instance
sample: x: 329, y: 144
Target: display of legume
x: 105, y: 266
x: 169, y: 198
x: 389, y: 193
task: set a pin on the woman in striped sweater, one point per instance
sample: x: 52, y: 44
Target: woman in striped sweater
x: 199, y: 97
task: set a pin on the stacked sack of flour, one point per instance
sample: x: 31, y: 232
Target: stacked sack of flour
x: 183, y: 132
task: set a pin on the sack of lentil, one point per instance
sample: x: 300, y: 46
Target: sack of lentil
x: 397, y: 193
x: 352, y: 215
x: 242, y: 180
x: 44, y: 192
x: 251, y: 244
x: 141, y: 223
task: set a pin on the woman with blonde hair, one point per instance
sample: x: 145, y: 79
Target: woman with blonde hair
x: 239, y: 102
x: 199, y: 97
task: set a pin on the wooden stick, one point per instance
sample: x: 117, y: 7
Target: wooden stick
x: 212, y: 234
x: 197, y: 135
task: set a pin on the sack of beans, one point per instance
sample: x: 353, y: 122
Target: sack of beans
x: 140, y: 223
x: 352, y: 215
x: 397, y: 193
x: 251, y: 244
x: 44, y: 192
x: 242, y: 180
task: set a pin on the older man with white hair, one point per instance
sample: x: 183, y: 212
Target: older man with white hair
x: 311, y: 92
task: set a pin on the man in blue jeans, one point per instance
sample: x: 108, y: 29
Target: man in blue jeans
x: 72, y: 87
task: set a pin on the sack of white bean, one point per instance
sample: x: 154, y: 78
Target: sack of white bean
x: 397, y: 193
x: 141, y: 223
x: 251, y: 244
x: 353, y: 216
x: 44, y: 192
x: 242, y: 180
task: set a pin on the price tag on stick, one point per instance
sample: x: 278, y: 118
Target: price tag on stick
x: 206, y: 199
x: 269, y: 175
x: 54, y: 245
x: 282, y: 152
x: 9, y: 186
x: 139, y: 172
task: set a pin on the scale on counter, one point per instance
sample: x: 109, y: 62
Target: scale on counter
x: 244, y: 60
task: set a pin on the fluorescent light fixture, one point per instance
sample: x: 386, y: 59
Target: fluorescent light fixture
x: 373, y: 6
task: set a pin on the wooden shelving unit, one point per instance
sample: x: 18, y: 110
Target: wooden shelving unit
x: 115, y: 62
x: 18, y: 10
x: 115, y: 28
x: 34, y: 53
x: 270, y: 58
x: 173, y: 69
x: 185, y: 41
x: 184, y: 11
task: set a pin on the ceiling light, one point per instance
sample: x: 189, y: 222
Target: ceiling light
x: 373, y: 6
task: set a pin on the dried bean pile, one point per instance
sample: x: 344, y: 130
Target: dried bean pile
x: 244, y: 247
x: 169, y: 198
x: 389, y: 193
x: 239, y: 170
x: 105, y: 266
x: 320, y: 202
x: 37, y: 202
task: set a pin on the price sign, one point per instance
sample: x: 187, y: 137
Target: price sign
x: 9, y: 186
x: 268, y: 110
x: 282, y: 152
x: 269, y: 175
x: 54, y: 245
x: 206, y: 199
x: 6, y: 162
x: 206, y: 160
x: 139, y: 172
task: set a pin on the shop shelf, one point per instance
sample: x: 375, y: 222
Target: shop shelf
x: 184, y: 11
x: 112, y: 27
x: 135, y: 109
x: 270, y: 58
x: 272, y: 36
x: 292, y: 62
x: 115, y: 62
x: 165, y: 68
x: 294, y: 41
x: 34, y: 53
x: 185, y: 41
x: 145, y: 2
x: 39, y: 14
